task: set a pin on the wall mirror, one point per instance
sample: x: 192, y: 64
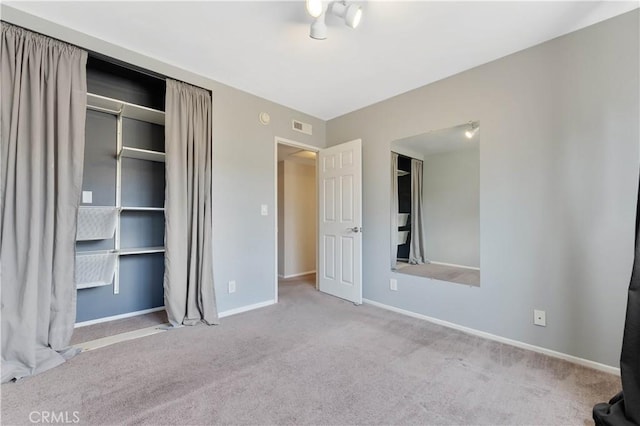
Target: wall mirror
x: 435, y: 204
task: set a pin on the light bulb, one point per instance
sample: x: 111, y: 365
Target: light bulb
x: 354, y: 15
x: 314, y: 8
x: 473, y: 129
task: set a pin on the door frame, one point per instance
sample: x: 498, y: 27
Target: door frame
x: 283, y: 141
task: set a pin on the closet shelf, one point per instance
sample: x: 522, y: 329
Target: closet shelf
x: 94, y: 252
x: 143, y: 250
x: 128, y: 110
x: 142, y: 209
x: 142, y: 154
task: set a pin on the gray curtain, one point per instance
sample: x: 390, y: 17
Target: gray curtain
x: 394, y: 210
x: 188, y: 278
x: 44, y: 96
x: 416, y: 248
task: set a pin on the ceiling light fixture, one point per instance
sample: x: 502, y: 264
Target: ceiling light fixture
x: 351, y: 13
x: 318, y: 29
x: 472, y: 130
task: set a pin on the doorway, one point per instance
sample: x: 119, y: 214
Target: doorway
x: 296, y: 213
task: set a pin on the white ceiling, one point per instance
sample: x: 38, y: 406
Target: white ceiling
x: 297, y: 155
x: 264, y: 47
x: 439, y: 141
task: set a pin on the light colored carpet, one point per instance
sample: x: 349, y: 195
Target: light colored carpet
x: 313, y: 359
x: 442, y: 272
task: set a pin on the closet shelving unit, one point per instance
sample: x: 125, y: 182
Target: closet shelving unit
x: 121, y: 110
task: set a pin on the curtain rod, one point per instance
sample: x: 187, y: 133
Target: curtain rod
x: 98, y: 55
x: 405, y: 156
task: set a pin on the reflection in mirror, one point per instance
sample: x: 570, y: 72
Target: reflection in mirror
x: 435, y: 204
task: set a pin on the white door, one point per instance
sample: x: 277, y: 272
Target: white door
x: 340, y: 224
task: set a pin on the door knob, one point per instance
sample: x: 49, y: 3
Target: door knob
x: 355, y: 229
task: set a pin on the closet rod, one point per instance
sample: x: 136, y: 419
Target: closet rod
x: 109, y: 59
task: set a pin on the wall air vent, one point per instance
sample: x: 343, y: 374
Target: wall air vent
x: 301, y: 127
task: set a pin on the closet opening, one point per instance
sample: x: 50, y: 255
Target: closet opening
x: 296, y: 211
x: 120, y: 239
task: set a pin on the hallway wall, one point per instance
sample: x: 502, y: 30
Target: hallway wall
x: 297, y: 234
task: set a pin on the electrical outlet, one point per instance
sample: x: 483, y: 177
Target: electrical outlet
x: 540, y: 318
x: 264, y: 210
x: 393, y: 284
x: 87, y: 197
x: 232, y: 286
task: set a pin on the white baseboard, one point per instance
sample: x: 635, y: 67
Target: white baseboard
x: 489, y: 336
x: 297, y: 275
x: 117, y: 317
x: 454, y: 265
x: 246, y: 308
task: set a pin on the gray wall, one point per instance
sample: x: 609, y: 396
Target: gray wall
x: 558, y: 182
x: 244, y: 175
x: 451, y: 190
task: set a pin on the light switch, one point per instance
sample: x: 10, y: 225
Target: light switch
x: 264, y: 210
x: 87, y: 197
